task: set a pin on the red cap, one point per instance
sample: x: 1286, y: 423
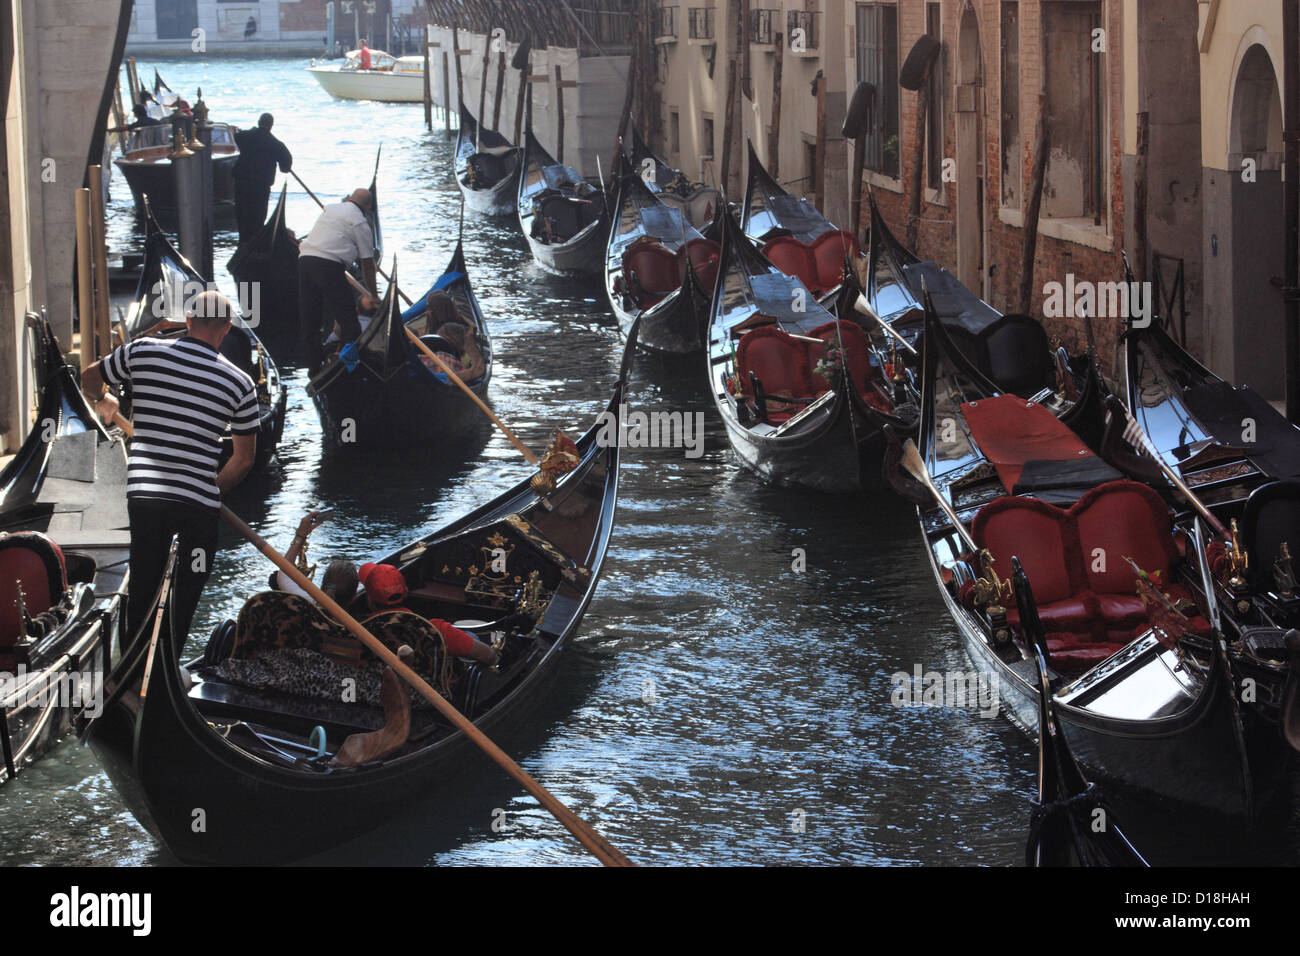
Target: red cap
x: 385, y: 586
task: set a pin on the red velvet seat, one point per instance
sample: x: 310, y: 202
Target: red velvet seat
x: 780, y: 362
x: 856, y: 353
x: 704, y: 256
x: 829, y: 250
x: 650, y: 271
x: 794, y: 259
x: 1086, y: 592
x: 35, y: 562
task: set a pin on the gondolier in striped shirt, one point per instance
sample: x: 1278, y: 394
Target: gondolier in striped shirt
x: 184, y: 394
x: 341, y: 236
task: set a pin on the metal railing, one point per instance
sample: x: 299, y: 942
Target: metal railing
x: 666, y: 23
x: 807, y: 22
x: 701, y: 23
x: 761, y: 23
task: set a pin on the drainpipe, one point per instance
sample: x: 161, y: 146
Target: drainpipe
x: 1291, y: 277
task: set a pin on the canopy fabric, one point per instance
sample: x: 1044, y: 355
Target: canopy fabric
x: 955, y: 304
x: 774, y: 295
x: 797, y: 215
x: 1031, y: 450
x: 1222, y: 410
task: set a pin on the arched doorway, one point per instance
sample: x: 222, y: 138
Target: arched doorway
x: 1257, y: 232
x: 970, y: 178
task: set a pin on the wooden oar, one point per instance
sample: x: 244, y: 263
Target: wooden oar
x: 863, y: 306
x: 415, y: 339
x: 916, y: 468
x: 585, y: 834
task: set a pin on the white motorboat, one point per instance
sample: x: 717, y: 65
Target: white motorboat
x: 389, y: 79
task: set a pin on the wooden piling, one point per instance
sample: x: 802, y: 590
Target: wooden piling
x: 482, y: 91
x: 819, y: 155
x: 1141, y: 190
x: 85, y: 280
x: 99, y: 253
x: 501, y: 83
x: 519, y: 102
x: 1033, y: 209
x: 774, y: 131
x: 559, y: 115
x: 446, y: 90
x: 917, y: 173
x: 428, y: 86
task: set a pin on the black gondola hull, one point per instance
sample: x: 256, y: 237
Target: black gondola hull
x: 360, y: 410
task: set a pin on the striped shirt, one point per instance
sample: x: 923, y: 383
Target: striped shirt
x: 184, y: 394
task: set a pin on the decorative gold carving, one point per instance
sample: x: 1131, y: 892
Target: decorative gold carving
x: 991, y: 591
x: 1284, y: 571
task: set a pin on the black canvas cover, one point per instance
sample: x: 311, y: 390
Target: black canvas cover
x: 1224, y: 411
x: 956, y: 305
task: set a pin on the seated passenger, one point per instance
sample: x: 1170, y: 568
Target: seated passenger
x: 386, y: 591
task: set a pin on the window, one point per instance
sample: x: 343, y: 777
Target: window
x: 706, y: 146
x: 701, y: 23
x: 935, y: 118
x: 805, y: 21
x: 877, y: 57
x: 1012, y: 150
x: 760, y: 26
x: 675, y: 132
x: 1077, y: 112
x: 666, y: 25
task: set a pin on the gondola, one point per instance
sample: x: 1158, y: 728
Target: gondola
x: 1242, y: 458
x: 1011, y: 350
x: 146, y: 165
x: 167, y: 283
x: 258, y: 762
x: 793, y: 417
x: 63, y: 556
x: 268, y: 263
x: 381, y: 392
x: 563, y: 216
x: 658, y: 268
x: 794, y: 235
x: 702, y: 205
x: 487, y: 168
x: 1071, y: 824
x: 1134, y: 704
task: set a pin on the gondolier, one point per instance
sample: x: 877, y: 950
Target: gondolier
x: 341, y: 236
x: 184, y: 395
x: 259, y: 154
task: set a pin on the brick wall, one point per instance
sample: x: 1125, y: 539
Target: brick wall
x: 1003, y: 250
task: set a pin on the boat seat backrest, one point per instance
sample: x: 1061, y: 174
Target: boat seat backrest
x: 654, y: 267
x: 794, y: 259
x: 1118, y: 520
x: 1271, y: 517
x: 704, y: 256
x: 490, y: 168
x: 779, y: 361
x: 829, y: 250
x: 1037, y: 533
x: 34, y: 561
x: 1019, y: 355
x: 568, y: 216
x: 856, y: 354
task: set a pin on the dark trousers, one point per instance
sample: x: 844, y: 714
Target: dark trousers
x: 251, y: 201
x: 153, y: 522
x: 324, y: 300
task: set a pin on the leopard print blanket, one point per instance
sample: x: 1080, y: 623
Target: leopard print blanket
x: 284, y: 642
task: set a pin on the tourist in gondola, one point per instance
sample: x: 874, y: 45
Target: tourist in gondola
x: 340, y: 237
x: 184, y: 395
x: 386, y: 592
x: 254, y: 173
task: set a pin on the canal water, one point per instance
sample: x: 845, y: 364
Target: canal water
x: 729, y: 697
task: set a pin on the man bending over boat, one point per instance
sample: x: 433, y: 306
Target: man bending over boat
x: 184, y: 394
x: 341, y: 236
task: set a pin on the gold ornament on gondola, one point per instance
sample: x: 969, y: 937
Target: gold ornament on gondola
x: 991, y: 591
x: 1238, y: 560
x: 1284, y: 572
x: 561, y: 458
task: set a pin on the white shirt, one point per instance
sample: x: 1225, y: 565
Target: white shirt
x: 341, y: 234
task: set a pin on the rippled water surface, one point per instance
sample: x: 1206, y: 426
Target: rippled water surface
x: 714, y: 696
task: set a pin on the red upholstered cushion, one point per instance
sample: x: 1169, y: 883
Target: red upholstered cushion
x: 704, y: 255
x: 1123, y: 519
x: 1040, y: 535
x: 779, y: 361
x: 854, y: 340
x: 829, y: 250
x: 1073, y: 615
x: 34, y: 561
x: 655, y: 269
x: 794, y: 259
x: 1071, y: 654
